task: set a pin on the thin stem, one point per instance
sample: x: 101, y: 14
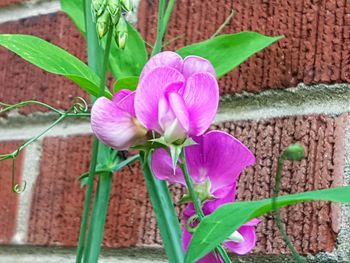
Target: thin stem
x: 197, y: 203
x: 158, y: 45
x: 276, y: 212
x: 25, y: 103
x: 167, y: 15
x: 227, y: 20
x: 95, y: 147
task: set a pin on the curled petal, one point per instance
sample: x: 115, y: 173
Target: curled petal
x: 242, y: 248
x: 166, y: 58
x: 115, y: 127
x: 149, y: 91
x: 162, y: 168
x: 201, y: 96
x: 125, y: 99
x: 219, y: 156
x: 121, y: 95
x: 195, y: 64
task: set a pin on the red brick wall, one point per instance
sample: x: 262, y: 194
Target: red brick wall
x: 316, y: 49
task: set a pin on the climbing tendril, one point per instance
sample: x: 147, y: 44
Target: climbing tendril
x: 79, y: 108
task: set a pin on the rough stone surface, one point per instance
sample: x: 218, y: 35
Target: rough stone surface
x: 315, y: 48
x: 57, y: 201
x: 9, y: 199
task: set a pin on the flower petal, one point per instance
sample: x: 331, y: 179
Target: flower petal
x: 219, y: 156
x: 162, y: 167
x: 121, y: 95
x: 201, y: 96
x: 166, y: 58
x: 115, y: 127
x: 242, y: 248
x: 149, y: 91
x: 125, y: 99
x: 195, y: 64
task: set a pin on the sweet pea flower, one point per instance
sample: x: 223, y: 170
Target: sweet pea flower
x: 240, y: 242
x: 177, y: 97
x: 214, y: 164
x: 114, y: 121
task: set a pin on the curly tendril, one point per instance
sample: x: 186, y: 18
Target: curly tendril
x: 79, y: 108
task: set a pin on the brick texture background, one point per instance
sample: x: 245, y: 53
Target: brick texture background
x: 315, y: 50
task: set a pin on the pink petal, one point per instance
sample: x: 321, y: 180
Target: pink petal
x: 249, y: 235
x: 166, y: 58
x: 115, y: 127
x: 125, y: 99
x: 172, y: 114
x: 120, y: 95
x: 150, y: 90
x: 195, y: 64
x: 220, y: 157
x: 163, y: 169
x: 201, y: 96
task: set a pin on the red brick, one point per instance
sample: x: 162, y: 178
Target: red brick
x: 6, y: 3
x: 9, y: 199
x: 315, y: 48
x: 57, y: 201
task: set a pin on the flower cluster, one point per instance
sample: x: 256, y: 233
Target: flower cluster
x: 177, y: 99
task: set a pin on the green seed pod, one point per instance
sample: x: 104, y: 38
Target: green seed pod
x: 98, y: 7
x: 121, y: 32
x: 294, y: 152
x: 102, y: 24
x: 127, y: 5
x: 114, y: 9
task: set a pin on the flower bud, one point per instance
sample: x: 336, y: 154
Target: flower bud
x: 98, y: 6
x: 114, y: 9
x: 294, y: 152
x: 127, y: 5
x: 121, y: 32
x: 102, y: 24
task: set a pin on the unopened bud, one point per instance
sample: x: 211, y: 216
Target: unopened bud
x: 127, y: 5
x: 294, y: 152
x: 98, y: 6
x: 121, y: 32
x: 102, y: 24
x: 114, y: 9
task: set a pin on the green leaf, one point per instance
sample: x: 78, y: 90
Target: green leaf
x: 164, y: 211
x: 129, y: 83
x: 130, y: 60
x: 53, y: 59
x: 216, y: 227
x: 74, y: 9
x: 226, y: 52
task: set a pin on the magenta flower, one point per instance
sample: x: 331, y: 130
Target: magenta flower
x: 177, y: 97
x: 216, y: 160
x: 240, y: 242
x: 114, y: 121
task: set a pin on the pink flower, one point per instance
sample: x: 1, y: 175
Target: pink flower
x: 240, y: 242
x: 217, y: 157
x: 177, y: 97
x: 114, y: 121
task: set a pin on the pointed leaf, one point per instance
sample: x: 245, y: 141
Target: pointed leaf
x: 129, y: 83
x: 216, y: 227
x: 74, y: 9
x: 53, y: 59
x: 226, y: 52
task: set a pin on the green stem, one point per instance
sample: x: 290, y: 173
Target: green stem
x: 167, y: 15
x: 164, y: 211
x: 197, y: 203
x: 95, y: 63
x: 98, y: 218
x: 158, y: 45
x: 276, y: 212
